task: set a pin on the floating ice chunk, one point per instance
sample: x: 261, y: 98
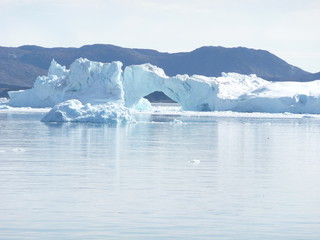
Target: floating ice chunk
x: 74, y: 111
x: 143, y: 105
x: 5, y: 107
x: 195, y: 161
x: 18, y: 150
x: 3, y: 100
x: 308, y: 116
x: 177, y: 122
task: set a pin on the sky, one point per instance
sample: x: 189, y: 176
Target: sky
x: 289, y: 29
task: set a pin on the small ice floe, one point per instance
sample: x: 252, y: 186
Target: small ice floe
x: 74, y: 111
x: 195, y: 161
x: 5, y: 107
x: 177, y: 122
x: 3, y: 100
x: 307, y: 116
x: 18, y: 150
x: 143, y: 105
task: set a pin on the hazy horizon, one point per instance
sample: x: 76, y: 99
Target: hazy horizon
x: 288, y: 29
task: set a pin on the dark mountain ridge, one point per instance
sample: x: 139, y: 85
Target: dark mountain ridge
x: 20, y: 66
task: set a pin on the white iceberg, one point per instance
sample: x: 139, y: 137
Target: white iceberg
x: 196, y: 93
x: 74, y: 111
x: 143, y: 105
x: 87, y: 81
x: 281, y: 97
x: 102, y: 83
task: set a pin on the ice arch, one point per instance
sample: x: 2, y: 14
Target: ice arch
x: 94, y: 82
x: 100, y: 83
x: 193, y: 93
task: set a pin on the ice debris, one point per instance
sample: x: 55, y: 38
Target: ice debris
x: 177, y: 122
x: 195, y: 161
x: 143, y: 105
x: 74, y: 111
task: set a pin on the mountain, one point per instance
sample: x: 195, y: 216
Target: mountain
x: 312, y: 76
x: 20, y: 66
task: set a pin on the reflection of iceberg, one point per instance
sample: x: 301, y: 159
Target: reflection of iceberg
x: 99, y: 83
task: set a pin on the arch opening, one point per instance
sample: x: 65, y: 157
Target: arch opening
x: 158, y: 100
x: 159, y: 97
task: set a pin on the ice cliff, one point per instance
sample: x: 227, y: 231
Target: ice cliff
x: 101, y: 83
x: 87, y: 81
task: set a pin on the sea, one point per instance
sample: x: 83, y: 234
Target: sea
x: 171, y: 175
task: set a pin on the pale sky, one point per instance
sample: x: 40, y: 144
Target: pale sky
x: 289, y: 29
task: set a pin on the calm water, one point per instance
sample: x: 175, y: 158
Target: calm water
x: 257, y: 179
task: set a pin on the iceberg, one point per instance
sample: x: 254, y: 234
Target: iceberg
x: 281, y: 97
x: 196, y: 93
x: 143, y: 105
x: 74, y: 111
x: 102, y: 84
x: 87, y: 81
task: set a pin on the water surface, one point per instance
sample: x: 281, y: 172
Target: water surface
x: 189, y: 178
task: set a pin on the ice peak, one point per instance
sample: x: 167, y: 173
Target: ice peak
x: 56, y: 69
